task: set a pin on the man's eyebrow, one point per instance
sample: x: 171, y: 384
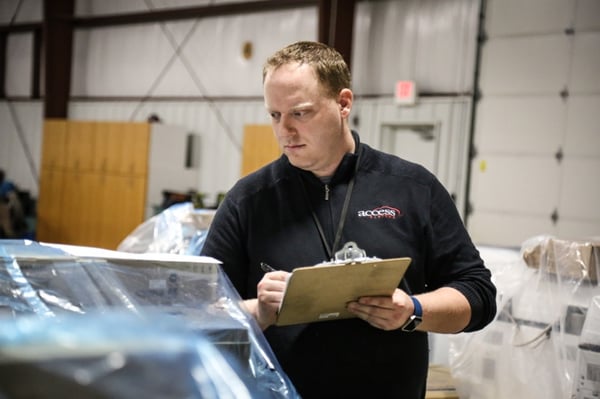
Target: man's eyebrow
x: 302, y: 106
x: 294, y: 108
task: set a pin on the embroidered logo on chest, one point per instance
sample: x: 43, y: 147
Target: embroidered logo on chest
x: 383, y: 212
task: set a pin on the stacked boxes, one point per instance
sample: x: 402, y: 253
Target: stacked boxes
x: 578, y: 260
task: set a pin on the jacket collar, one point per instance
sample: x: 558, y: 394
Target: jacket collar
x: 344, y: 171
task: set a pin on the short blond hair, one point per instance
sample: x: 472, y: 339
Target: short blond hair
x: 329, y: 65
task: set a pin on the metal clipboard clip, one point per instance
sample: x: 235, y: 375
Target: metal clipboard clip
x: 350, y: 253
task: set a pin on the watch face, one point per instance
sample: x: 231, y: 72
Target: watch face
x: 412, y: 323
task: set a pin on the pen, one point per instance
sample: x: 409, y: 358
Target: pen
x: 266, y: 268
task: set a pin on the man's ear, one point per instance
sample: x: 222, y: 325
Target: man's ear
x: 345, y: 101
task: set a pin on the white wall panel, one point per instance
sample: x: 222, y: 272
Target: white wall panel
x: 525, y: 65
x: 579, y: 229
x: 429, y: 41
x: 585, y: 76
x: 508, y: 229
x: 21, y: 11
x: 583, y: 127
x: 19, y: 64
x: 446, y: 57
x: 587, y: 15
x: 580, y: 191
x: 20, y: 142
x: 167, y: 169
x: 108, y: 58
x: 132, y: 60
x: 518, y: 125
x: 524, y: 185
x: 512, y: 17
x: 94, y: 7
x: 522, y: 121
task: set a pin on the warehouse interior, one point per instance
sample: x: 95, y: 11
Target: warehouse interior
x: 116, y: 113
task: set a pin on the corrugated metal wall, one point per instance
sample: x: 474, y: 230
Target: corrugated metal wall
x: 202, y: 57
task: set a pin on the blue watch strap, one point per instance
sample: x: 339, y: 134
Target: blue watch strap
x: 418, y: 309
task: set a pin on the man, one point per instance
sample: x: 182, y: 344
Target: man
x: 300, y: 209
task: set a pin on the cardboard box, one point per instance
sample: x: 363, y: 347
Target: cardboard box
x: 577, y: 260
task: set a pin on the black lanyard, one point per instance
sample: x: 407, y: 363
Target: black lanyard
x: 338, y: 233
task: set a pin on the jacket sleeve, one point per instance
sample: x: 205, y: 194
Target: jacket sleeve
x: 455, y: 261
x: 224, y: 243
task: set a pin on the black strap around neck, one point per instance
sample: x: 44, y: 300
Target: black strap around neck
x: 340, y: 228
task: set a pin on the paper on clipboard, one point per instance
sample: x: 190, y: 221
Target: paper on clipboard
x: 320, y: 293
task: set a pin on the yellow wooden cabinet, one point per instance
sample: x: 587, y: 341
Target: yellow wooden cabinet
x: 122, y: 148
x: 49, y: 205
x: 259, y: 147
x: 80, y: 145
x: 124, y: 199
x: 93, y: 181
x: 54, y: 143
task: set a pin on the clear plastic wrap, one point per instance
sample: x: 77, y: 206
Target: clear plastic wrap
x: 587, y: 378
x: 115, y: 300
x: 179, y: 229
x: 114, y: 355
x: 530, y: 349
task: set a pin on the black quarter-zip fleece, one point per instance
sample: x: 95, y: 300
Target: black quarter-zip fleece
x: 397, y: 209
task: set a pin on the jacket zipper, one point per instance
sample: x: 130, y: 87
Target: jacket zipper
x: 326, y: 192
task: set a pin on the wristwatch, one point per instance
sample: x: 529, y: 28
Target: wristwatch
x: 416, y: 318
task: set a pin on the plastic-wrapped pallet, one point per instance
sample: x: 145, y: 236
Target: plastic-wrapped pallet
x: 91, y: 323
x: 530, y: 349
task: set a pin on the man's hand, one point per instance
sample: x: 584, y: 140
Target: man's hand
x: 386, y: 313
x: 445, y: 310
x: 269, y: 295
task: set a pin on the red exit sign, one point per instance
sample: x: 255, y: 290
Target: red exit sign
x: 405, y: 93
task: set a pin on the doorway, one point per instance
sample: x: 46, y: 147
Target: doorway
x: 416, y: 142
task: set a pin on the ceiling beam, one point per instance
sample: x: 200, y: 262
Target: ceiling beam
x: 58, y: 40
x: 36, y: 67
x: 20, y: 27
x: 336, y: 26
x: 3, y: 40
x: 173, y: 14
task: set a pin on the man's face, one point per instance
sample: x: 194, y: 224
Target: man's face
x: 309, y: 125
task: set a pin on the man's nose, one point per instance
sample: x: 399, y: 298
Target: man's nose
x: 287, y: 126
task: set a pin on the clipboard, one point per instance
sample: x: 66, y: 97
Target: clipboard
x: 321, y: 292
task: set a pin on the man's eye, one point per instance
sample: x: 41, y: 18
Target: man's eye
x: 275, y: 115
